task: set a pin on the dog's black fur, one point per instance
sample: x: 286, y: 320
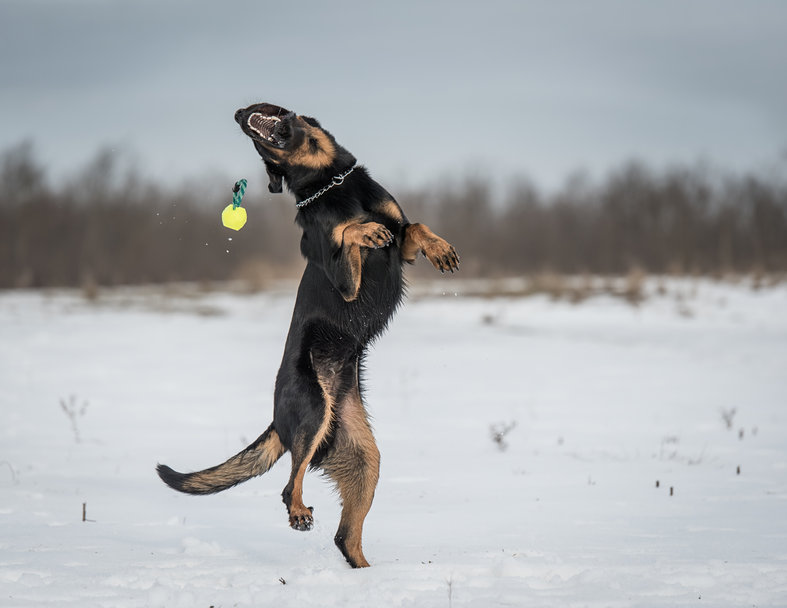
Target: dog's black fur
x: 355, y: 239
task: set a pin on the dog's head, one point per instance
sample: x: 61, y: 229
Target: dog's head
x: 294, y: 148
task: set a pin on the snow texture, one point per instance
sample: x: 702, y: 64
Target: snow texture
x: 640, y: 457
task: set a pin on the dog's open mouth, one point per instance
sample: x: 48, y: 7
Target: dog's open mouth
x: 266, y: 123
x: 264, y: 126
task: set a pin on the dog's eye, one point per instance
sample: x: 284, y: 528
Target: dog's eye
x: 313, y: 145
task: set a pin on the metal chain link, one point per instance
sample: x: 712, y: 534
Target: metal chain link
x: 337, y: 180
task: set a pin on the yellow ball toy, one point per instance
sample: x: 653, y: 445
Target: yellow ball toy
x: 233, y: 217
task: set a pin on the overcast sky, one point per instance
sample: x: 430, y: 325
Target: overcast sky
x: 415, y: 89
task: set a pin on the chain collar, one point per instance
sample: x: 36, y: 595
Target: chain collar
x: 337, y: 180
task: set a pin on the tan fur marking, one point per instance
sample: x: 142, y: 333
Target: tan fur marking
x: 410, y: 246
x: 298, y: 513
x: 277, y: 151
x: 297, y: 509
x: 337, y: 234
x: 354, y: 465
x: 356, y: 423
x: 329, y: 383
x: 304, y: 156
x: 355, y: 260
x: 352, y: 253
x: 352, y: 237
x: 242, y: 466
x: 392, y: 210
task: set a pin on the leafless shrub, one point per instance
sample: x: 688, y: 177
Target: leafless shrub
x: 90, y: 289
x: 583, y: 290
x: 634, y: 288
x: 728, y: 415
x: 14, y: 478
x: 549, y: 283
x: 74, y: 413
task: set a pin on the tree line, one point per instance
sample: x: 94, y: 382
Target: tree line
x: 107, y: 225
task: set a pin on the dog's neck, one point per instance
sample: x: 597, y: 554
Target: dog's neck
x: 337, y: 180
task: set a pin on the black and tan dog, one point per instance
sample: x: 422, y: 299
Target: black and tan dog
x: 355, y: 239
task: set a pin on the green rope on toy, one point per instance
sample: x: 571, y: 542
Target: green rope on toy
x: 237, y: 193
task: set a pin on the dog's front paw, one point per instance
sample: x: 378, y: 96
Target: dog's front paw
x: 441, y: 254
x: 370, y: 234
x: 378, y: 238
x: 302, y: 519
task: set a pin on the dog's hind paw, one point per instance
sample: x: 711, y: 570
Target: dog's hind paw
x: 302, y: 520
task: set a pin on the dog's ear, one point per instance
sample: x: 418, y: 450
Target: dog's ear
x: 274, y: 178
x: 312, y: 121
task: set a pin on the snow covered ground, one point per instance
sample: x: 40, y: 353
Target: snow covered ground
x: 602, y: 401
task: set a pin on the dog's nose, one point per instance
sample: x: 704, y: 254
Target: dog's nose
x: 239, y: 116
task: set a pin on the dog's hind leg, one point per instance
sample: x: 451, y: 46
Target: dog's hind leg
x: 312, y: 430
x: 354, y: 465
x: 300, y: 515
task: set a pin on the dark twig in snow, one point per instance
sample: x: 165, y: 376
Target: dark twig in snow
x: 499, y: 432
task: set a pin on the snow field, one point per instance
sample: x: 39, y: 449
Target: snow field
x: 602, y: 400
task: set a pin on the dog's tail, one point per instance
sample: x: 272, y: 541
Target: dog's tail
x: 255, y: 460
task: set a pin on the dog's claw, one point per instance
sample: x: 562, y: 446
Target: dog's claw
x: 378, y: 239
x: 304, y: 522
x: 442, y: 255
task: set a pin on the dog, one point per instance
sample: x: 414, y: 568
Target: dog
x: 355, y: 240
